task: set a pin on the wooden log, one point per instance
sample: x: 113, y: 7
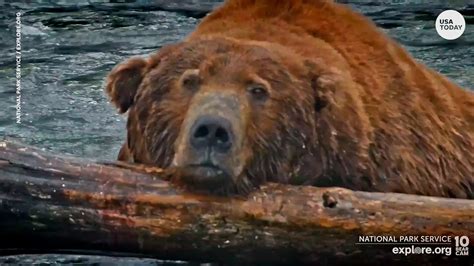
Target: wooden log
x: 52, y: 203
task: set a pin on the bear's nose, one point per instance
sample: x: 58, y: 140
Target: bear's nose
x: 211, y: 132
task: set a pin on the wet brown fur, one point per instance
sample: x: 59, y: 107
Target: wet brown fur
x: 351, y: 107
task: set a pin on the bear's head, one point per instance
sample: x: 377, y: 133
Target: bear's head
x: 230, y: 115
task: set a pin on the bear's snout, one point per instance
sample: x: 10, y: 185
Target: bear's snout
x: 211, y: 133
x: 209, y: 148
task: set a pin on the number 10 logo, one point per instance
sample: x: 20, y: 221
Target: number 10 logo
x: 462, y: 245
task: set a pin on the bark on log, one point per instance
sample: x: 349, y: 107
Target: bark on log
x: 50, y: 203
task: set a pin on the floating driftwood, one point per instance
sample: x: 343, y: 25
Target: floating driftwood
x: 51, y: 203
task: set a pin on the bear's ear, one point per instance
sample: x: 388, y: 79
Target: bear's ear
x: 123, y: 82
x: 125, y: 79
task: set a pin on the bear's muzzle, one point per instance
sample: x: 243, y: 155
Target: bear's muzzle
x: 210, y: 142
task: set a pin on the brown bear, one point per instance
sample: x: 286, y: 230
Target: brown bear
x: 303, y: 92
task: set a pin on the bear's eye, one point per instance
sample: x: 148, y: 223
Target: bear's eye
x: 191, y: 80
x: 258, y: 92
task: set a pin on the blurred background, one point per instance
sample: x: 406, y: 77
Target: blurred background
x: 68, y: 47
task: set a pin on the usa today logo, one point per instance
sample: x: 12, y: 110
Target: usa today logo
x: 450, y: 24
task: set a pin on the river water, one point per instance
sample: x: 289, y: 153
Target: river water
x: 68, y: 47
